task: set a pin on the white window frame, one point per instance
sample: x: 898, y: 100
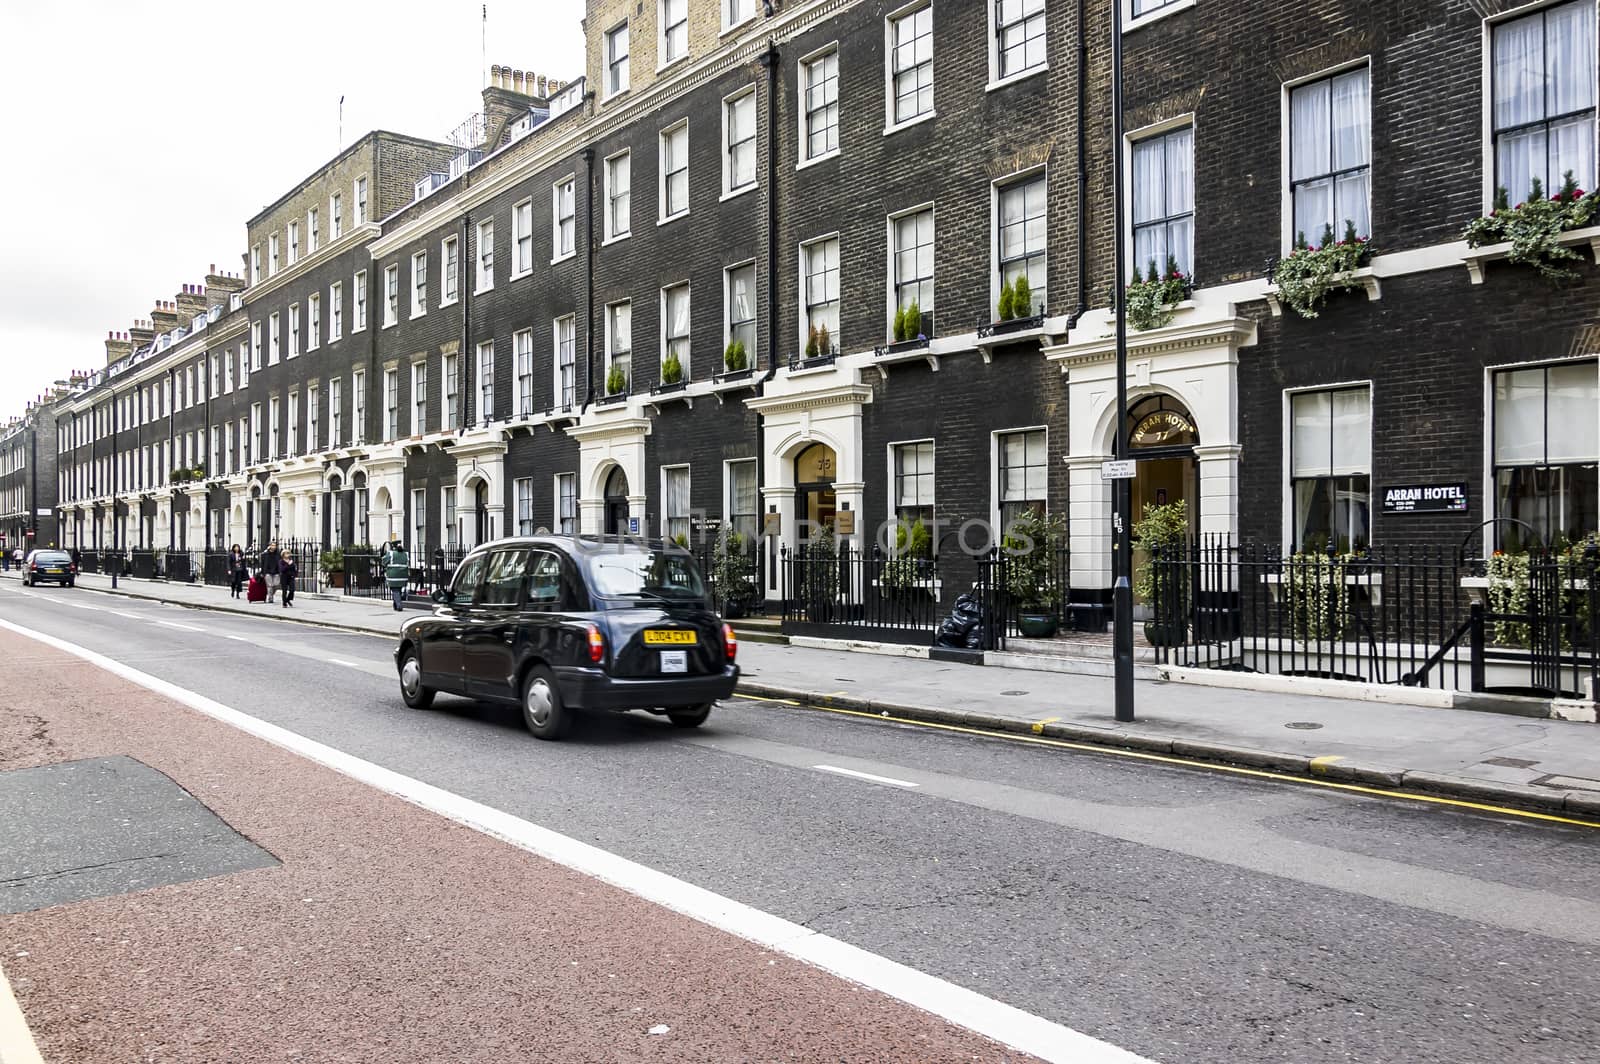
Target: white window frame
x: 358, y: 405
x: 361, y: 201
x: 613, y: 62
x: 662, y: 176
x: 890, y: 94
x: 687, y: 338
x: 335, y: 216
x: 577, y: 504
x: 313, y: 418
x: 688, y: 516
x: 1129, y: 140
x: 1486, y: 94
x: 727, y: 309
x: 450, y: 393
x: 559, y: 393
x: 419, y: 397
x: 996, y: 80
x: 255, y: 264
x: 274, y: 339
x: 805, y: 306
x: 313, y: 321
x: 1286, y: 153
x: 996, y: 188
x: 1374, y: 509
x: 521, y: 238
x: 612, y: 235
x: 391, y: 295
x: 1131, y: 22
x: 892, y: 287
x: 335, y: 311
x: 563, y: 226
x: 294, y: 242
x: 610, y: 349
x: 729, y: 102
x: 522, y: 359
x: 483, y: 265
x: 485, y: 382
x: 522, y: 488
x: 335, y: 413
x: 274, y: 436
x: 729, y: 22
x: 664, y: 31
x: 272, y: 255
x: 449, y: 271
x: 996, y: 452
x: 803, y: 114
x: 358, y: 287
x: 419, y: 284
x: 313, y: 231
x: 893, y: 492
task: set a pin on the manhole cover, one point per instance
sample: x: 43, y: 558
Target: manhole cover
x: 1013, y: 694
x: 1303, y: 725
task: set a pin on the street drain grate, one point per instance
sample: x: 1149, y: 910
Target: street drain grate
x: 1568, y: 783
x: 1303, y: 725
x: 1013, y: 694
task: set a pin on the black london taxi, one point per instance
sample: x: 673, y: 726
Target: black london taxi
x: 558, y: 624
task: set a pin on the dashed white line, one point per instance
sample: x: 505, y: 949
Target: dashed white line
x: 864, y: 776
x: 241, y: 639
x: 181, y: 627
x: 341, y: 661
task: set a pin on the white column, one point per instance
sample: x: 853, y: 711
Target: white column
x: 1089, y: 522
x: 783, y: 499
x: 1219, y: 489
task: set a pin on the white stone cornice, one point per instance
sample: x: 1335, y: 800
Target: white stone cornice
x: 1229, y: 332
x: 349, y: 241
x: 610, y: 428
x: 849, y: 394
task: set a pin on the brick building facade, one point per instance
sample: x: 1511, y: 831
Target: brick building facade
x: 426, y: 336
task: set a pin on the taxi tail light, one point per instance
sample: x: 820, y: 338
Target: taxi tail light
x: 597, y: 645
x: 730, y: 642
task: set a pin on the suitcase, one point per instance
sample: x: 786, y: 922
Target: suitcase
x: 257, y: 591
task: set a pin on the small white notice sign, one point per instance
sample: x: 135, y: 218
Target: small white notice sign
x: 1118, y: 470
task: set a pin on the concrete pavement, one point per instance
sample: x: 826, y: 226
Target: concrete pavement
x: 1548, y: 765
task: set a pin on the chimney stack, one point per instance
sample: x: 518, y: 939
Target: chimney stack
x: 117, y: 346
x: 219, y: 286
x: 140, y: 332
x: 164, y: 318
x: 191, y: 301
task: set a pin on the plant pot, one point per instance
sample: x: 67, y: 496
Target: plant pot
x: 1036, y: 624
x: 336, y: 579
x: 732, y: 610
x: 1163, y: 634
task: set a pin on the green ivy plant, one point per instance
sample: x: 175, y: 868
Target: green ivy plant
x: 1316, y: 595
x: 1152, y: 297
x: 616, y: 381
x: 1308, y: 275
x: 730, y: 569
x: 1533, y: 228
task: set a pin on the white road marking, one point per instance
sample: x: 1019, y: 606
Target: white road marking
x: 1003, y: 1023
x: 347, y: 664
x: 181, y: 627
x: 241, y: 639
x: 864, y: 775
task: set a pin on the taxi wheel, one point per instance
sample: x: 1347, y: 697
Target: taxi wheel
x: 411, y: 689
x: 689, y: 716
x: 543, y: 711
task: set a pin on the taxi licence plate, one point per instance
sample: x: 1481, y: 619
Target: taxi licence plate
x: 678, y: 637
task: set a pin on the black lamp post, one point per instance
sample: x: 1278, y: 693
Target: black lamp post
x: 1122, y: 515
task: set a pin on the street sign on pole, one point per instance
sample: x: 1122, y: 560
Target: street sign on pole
x: 1118, y: 469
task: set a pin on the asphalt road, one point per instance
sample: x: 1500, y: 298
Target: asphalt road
x: 1180, y: 913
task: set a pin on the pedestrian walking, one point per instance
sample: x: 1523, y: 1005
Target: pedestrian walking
x: 271, y: 565
x: 397, y: 573
x: 238, y: 570
x: 288, y: 571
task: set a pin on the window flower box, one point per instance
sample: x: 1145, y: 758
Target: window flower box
x: 1303, y: 279
x: 1543, y: 232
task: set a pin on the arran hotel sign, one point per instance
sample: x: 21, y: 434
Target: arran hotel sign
x: 1425, y: 498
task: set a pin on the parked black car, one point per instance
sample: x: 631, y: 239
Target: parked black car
x: 564, y: 623
x: 51, y: 566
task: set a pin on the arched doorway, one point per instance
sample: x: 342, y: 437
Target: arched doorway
x: 616, y: 502
x: 1162, y: 438
x: 482, y: 533
x: 815, y: 501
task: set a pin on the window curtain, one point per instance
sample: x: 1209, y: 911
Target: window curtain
x: 1310, y: 116
x: 1352, y: 118
x: 1179, y: 189
x: 1518, y: 99
x: 1519, y: 417
x: 1149, y: 203
x: 1573, y: 430
x: 678, y: 322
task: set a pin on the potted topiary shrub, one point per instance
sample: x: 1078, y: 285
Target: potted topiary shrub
x: 671, y: 371
x: 1030, y: 544
x: 813, y: 342
x: 332, y: 565
x: 1008, y: 299
x: 730, y: 572
x: 1021, y: 297
x: 1161, y: 533
x: 824, y: 341
x: 616, y: 382
x: 735, y: 357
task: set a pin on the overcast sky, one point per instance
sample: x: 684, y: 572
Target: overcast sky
x: 140, y: 136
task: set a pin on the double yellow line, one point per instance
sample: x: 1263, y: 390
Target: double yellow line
x: 1167, y: 759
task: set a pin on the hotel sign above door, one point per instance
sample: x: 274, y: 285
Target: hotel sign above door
x: 1425, y: 499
